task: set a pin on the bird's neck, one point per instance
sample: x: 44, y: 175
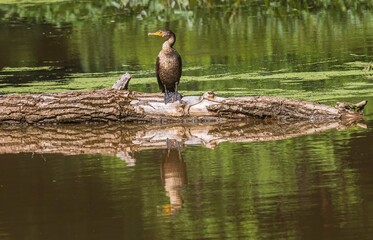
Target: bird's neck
x: 167, y: 45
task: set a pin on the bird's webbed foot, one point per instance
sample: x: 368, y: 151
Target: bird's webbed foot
x: 176, y: 96
x: 170, y: 97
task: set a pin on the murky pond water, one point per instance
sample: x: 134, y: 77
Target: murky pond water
x: 316, y: 186
x: 261, y: 181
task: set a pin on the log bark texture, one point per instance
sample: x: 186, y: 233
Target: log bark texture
x: 112, y: 105
x: 86, y: 106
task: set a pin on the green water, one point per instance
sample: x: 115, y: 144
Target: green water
x: 234, y: 51
x: 99, y: 182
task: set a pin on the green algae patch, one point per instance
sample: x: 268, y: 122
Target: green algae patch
x: 71, y: 82
x: 349, y: 81
x: 25, y: 69
x: 348, y: 69
x: 314, y: 76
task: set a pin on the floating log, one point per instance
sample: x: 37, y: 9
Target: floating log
x: 115, y: 105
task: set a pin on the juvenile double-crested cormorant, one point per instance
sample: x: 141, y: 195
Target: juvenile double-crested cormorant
x: 168, y: 66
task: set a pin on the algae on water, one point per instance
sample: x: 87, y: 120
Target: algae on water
x: 314, y: 86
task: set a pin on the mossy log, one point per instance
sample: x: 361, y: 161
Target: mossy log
x: 114, y: 105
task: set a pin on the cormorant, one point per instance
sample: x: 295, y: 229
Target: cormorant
x: 168, y: 66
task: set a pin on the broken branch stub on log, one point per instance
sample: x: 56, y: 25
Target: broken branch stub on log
x: 112, y: 105
x: 123, y: 82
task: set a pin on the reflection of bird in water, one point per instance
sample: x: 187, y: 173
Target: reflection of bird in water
x: 173, y: 172
x: 168, y: 67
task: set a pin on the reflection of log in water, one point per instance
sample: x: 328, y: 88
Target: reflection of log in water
x: 124, y: 140
x: 173, y: 172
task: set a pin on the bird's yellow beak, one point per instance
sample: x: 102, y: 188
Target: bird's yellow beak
x: 159, y: 34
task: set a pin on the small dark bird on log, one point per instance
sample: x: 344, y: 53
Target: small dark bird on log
x: 168, y: 66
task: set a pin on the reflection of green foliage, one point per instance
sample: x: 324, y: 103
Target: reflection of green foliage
x: 264, y: 50
x: 255, y: 39
x: 248, y: 182
x: 58, y: 11
x: 65, y: 11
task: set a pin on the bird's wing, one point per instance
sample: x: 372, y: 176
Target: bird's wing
x: 157, y: 73
x: 181, y: 64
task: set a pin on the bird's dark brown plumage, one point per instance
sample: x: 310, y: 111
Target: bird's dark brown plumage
x: 168, y: 66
